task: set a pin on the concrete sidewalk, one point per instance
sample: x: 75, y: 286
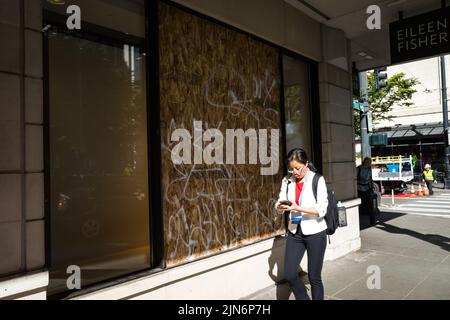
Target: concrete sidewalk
x: 413, y: 253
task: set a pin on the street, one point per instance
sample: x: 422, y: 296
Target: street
x: 437, y: 205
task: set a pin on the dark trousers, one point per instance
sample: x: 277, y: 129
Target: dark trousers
x: 429, y: 186
x: 315, y: 246
x: 366, y: 206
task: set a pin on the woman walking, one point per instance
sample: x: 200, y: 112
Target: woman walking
x: 307, y: 226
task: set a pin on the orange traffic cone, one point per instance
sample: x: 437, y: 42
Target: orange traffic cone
x: 413, y: 191
x: 426, y: 192
x: 420, y: 193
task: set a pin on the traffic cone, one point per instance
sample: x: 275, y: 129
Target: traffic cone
x: 426, y: 192
x: 413, y: 191
x: 420, y: 193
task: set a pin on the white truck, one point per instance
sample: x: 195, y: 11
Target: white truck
x: 392, y: 173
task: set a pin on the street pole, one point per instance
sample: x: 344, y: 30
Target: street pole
x: 445, y: 114
x: 365, y: 146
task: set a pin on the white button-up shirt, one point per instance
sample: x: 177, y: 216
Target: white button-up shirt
x: 309, y: 224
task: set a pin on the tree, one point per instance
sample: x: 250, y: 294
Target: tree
x: 397, y: 93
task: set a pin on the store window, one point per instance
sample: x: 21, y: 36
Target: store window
x: 297, y: 104
x: 98, y: 198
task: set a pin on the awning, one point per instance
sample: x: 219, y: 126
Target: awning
x: 413, y: 131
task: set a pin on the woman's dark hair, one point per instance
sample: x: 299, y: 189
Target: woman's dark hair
x: 366, y: 160
x: 300, y: 155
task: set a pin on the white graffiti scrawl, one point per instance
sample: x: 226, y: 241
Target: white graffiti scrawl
x: 212, y: 80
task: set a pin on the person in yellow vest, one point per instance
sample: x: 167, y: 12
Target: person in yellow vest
x: 429, y: 176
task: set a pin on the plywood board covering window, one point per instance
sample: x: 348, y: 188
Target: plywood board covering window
x: 224, y: 79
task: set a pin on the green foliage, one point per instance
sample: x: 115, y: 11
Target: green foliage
x: 397, y: 93
x: 293, y: 103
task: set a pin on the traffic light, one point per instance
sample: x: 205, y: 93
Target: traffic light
x: 355, y: 82
x: 380, y: 78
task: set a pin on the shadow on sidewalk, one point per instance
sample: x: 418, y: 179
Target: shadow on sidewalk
x: 283, y: 289
x: 364, y: 220
x: 435, y: 239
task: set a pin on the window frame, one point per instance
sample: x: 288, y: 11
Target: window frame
x: 314, y: 105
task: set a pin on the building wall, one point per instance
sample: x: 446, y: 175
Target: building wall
x: 21, y: 137
x: 21, y: 133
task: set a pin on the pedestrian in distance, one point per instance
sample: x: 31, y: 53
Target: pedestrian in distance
x: 365, y: 190
x: 429, y: 176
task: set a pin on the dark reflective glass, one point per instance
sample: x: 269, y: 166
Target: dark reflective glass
x: 99, y: 206
x: 297, y: 104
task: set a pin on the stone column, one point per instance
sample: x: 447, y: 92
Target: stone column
x: 338, y: 140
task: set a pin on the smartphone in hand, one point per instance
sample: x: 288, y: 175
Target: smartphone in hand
x: 286, y: 202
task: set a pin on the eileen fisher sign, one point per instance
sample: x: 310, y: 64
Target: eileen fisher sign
x: 421, y: 36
